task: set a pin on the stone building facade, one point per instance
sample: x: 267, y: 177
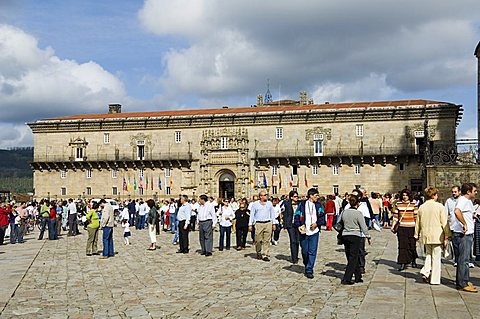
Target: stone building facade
x: 235, y: 152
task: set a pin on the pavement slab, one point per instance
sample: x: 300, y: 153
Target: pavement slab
x: 55, y: 279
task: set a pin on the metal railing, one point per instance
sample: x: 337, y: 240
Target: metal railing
x: 370, y: 151
x: 170, y: 156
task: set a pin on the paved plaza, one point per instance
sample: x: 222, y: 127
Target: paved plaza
x: 54, y: 279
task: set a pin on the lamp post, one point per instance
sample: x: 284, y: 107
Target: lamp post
x: 477, y: 54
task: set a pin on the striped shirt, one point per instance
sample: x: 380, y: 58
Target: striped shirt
x: 406, y: 212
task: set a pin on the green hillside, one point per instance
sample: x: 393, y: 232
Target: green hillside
x: 15, y: 172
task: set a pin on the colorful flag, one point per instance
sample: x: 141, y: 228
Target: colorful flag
x: 252, y: 183
x: 265, y: 181
x: 279, y: 181
x: 273, y: 180
x: 291, y: 179
x: 159, y: 183
x: 171, y: 182
x: 124, y: 186
x: 306, y: 182
x: 141, y: 181
x: 134, y: 183
x: 146, y: 182
x: 129, y: 187
x: 151, y: 183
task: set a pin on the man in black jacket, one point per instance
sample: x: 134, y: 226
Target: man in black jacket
x: 289, y: 207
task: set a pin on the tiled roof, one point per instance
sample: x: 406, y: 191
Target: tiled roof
x: 258, y: 109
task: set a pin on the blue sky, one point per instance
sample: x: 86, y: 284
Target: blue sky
x: 67, y: 57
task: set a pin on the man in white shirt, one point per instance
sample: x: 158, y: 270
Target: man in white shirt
x: 142, y: 212
x: 72, y: 218
x: 193, y: 218
x: 463, y: 235
x: 206, y: 220
x: 452, y: 220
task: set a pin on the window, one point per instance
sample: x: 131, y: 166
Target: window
x: 223, y: 143
x: 89, y: 173
x: 317, y: 148
x: 140, y: 172
x: 358, y: 186
x: 335, y: 169
x: 315, y: 186
x: 114, y: 173
x: 274, y: 170
x: 168, y: 172
x: 89, y: 191
x: 335, y: 189
x: 63, y: 173
x: 63, y: 191
x: 114, y: 190
x: 279, y: 133
x: 294, y: 170
x: 356, y: 168
x: 167, y: 190
x: 140, y: 150
x: 274, y: 190
x: 315, y: 169
x: 359, y: 130
x: 106, y: 138
x: 178, y: 136
x: 401, y: 167
x: 79, y: 154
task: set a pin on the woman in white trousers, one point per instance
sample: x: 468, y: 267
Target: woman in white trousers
x: 432, y: 228
x: 152, y: 221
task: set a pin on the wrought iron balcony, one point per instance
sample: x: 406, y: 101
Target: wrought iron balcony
x: 121, y: 157
x: 337, y: 152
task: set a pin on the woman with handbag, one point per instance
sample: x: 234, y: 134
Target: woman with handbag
x: 93, y: 225
x: 354, y: 227
x: 404, y: 217
x: 432, y: 226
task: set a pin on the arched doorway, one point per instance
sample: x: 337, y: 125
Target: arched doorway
x: 226, y: 184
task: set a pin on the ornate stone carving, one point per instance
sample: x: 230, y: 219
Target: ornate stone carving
x: 310, y: 133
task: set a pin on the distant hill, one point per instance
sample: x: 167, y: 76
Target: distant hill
x: 15, y: 172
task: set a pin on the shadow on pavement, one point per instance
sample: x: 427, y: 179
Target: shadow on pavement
x: 295, y: 268
x: 282, y: 257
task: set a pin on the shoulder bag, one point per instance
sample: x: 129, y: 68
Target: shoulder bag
x: 397, y: 224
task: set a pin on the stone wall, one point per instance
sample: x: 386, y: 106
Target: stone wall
x: 444, y: 177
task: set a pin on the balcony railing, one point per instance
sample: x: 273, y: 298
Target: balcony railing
x: 170, y: 156
x: 373, y: 151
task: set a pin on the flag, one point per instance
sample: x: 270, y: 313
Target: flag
x: 291, y: 179
x: 129, y: 187
x: 151, y: 183
x: 273, y: 180
x: 306, y: 182
x: 134, y: 183
x: 124, y: 186
x: 171, y: 182
x: 159, y: 183
x: 146, y: 182
x: 279, y: 181
x: 141, y: 181
x: 252, y: 183
x: 264, y: 181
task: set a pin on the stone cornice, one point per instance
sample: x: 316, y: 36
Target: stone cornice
x: 295, y: 117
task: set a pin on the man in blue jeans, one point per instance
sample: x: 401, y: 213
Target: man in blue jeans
x: 463, y: 229
x: 107, y: 223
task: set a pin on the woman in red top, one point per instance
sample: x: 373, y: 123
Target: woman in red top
x: 330, y: 211
x: 52, y: 222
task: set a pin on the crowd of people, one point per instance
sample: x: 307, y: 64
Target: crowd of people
x: 416, y: 220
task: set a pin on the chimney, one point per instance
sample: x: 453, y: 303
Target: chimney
x: 259, y: 100
x: 114, y: 108
x: 303, y: 97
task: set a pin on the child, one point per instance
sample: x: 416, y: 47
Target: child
x: 126, y: 231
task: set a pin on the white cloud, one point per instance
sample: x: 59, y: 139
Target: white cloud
x: 234, y: 46
x: 35, y: 83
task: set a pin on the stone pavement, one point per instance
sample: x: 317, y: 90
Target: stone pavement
x: 54, y: 279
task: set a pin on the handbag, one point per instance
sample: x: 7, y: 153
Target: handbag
x: 397, y: 224
x: 448, y: 251
x: 339, y: 228
x: 302, y: 229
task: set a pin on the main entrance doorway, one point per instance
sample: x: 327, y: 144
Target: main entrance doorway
x: 226, y: 185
